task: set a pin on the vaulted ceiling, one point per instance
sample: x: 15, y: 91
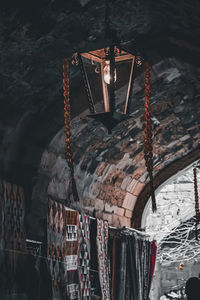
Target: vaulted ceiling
x: 35, y: 38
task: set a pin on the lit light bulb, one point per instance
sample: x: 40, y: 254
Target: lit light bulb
x: 106, y: 71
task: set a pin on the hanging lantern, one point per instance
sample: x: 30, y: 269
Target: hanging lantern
x: 102, y: 70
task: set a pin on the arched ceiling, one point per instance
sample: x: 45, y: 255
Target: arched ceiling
x: 110, y: 170
x: 33, y: 41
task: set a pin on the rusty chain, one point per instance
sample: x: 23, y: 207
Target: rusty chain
x: 196, y: 200
x: 67, y: 119
x: 148, y: 150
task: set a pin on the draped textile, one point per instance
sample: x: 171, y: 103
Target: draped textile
x: 13, y: 211
x: 94, y: 267
x: 132, y: 269
x: 71, y: 259
x: 153, y: 262
x: 84, y: 257
x: 56, y: 243
x: 121, y: 288
x: 12, y: 233
x: 132, y: 264
x: 102, y: 248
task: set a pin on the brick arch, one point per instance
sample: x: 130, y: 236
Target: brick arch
x: 110, y: 169
x: 162, y: 176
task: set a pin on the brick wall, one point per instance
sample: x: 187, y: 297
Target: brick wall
x: 110, y: 169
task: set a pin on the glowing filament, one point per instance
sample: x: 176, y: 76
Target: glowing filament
x: 106, y: 71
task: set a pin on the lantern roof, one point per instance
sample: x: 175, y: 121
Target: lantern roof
x: 99, y: 55
x: 123, y: 51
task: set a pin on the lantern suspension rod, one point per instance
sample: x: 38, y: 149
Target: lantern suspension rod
x: 107, y: 19
x: 129, y: 86
x: 112, y: 81
x: 105, y: 91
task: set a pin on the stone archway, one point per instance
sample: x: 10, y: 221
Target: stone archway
x: 173, y: 227
x: 110, y: 169
x: 161, y: 177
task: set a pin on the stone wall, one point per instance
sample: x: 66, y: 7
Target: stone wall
x: 170, y: 277
x: 110, y: 169
x: 175, y: 205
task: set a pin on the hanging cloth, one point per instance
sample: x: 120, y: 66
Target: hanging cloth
x: 94, y: 267
x: 56, y: 243
x: 71, y: 259
x: 121, y: 284
x: 154, y: 251
x: 102, y: 248
x: 84, y: 257
x: 133, y: 272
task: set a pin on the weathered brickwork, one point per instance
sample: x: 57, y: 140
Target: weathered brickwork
x: 110, y: 169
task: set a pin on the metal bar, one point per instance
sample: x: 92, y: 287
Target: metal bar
x: 107, y: 20
x: 87, y: 85
x: 130, y: 229
x: 137, y: 231
x: 96, y: 58
x: 129, y: 87
x: 92, y: 56
x: 112, y: 79
x: 131, y: 52
x: 105, y: 92
x: 32, y: 241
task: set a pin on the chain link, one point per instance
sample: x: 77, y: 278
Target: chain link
x: 196, y: 200
x: 67, y: 119
x: 148, y: 150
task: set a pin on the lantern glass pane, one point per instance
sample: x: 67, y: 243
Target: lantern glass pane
x: 95, y: 63
x: 93, y: 71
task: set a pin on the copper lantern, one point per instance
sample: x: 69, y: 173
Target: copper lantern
x: 102, y: 71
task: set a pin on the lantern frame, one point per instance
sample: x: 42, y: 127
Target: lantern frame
x: 111, y: 56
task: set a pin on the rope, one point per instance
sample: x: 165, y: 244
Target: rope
x: 148, y: 150
x: 67, y: 118
x: 196, y: 201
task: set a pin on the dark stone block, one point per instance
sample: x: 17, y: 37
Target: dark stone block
x: 78, y: 154
x: 85, y: 163
x: 110, y: 153
x: 186, y: 119
x: 134, y: 132
x: 130, y: 169
x: 93, y: 166
x: 135, y: 152
x: 167, y: 136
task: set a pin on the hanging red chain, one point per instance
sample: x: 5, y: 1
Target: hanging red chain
x: 67, y: 118
x: 196, y: 199
x: 148, y: 151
